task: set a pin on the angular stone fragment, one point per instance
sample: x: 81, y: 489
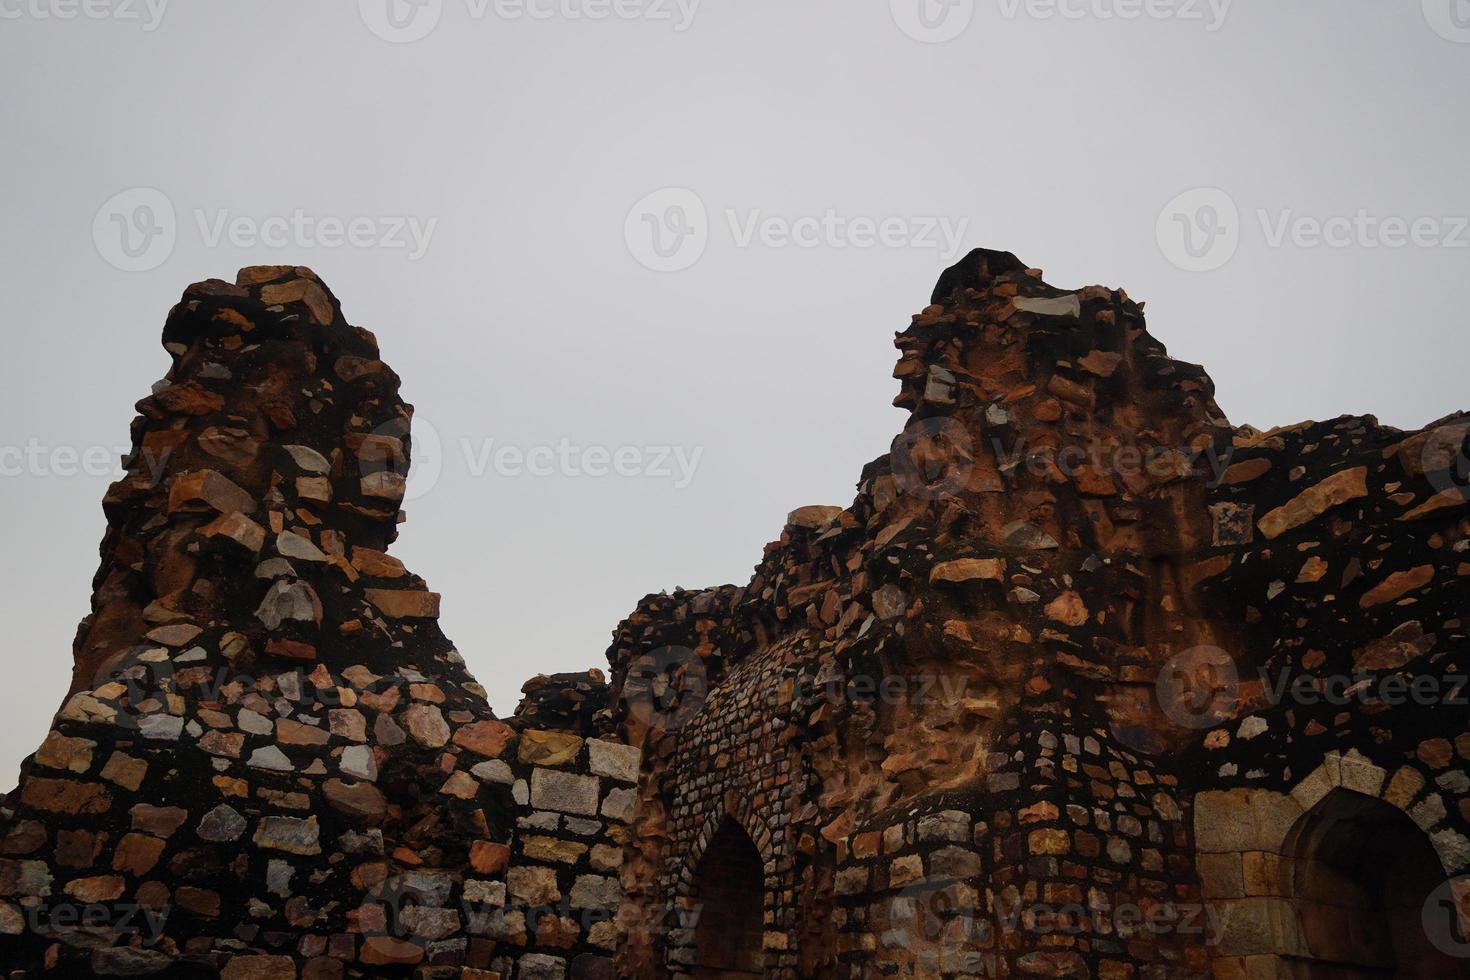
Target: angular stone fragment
x: 963, y: 570
x: 1397, y: 585
x: 426, y: 725
x: 488, y: 857
x: 359, y: 763
x: 66, y: 796
x: 270, y: 757
x: 223, y: 823
x: 363, y: 801
x: 549, y: 748
x: 125, y: 770
x: 564, y: 792
x: 211, y: 489
x: 290, y: 834
x: 1335, y: 490
x: 405, y: 604
x: 300, y: 291
x: 1067, y: 608
x: 377, y: 564
x: 99, y: 888
x: 136, y: 854
x: 309, y: 460
x: 296, y: 546
x: 1069, y: 306
x: 289, y: 601
x: 487, y: 738
x: 61, y: 752
x: 159, y: 820
x: 533, y: 887
x: 813, y: 517
x: 614, y: 760
x: 238, y: 528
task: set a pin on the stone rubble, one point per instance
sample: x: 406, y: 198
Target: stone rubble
x: 1002, y: 715
x: 268, y: 743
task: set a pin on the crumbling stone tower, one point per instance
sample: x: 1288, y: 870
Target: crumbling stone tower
x: 1085, y: 682
x: 1077, y: 573
x: 271, y: 761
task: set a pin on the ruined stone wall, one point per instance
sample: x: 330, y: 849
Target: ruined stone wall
x: 271, y: 761
x: 1350, y: 565
x: 1066, y: 526
x: 1085, y: 682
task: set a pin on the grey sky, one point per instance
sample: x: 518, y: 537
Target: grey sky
x: 510, y: 150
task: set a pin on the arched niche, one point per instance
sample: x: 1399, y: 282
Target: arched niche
x: 1359, y: 873
x: 729, y: 896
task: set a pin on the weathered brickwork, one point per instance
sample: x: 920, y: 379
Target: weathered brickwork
x: 1086, y: 682
x: 738, y: 761
x: 271, y: 762
x: 1053, y: 561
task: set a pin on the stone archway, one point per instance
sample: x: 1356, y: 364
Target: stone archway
x: 729, y: 892
x: 1358, y: 872
x: 1338, y: 823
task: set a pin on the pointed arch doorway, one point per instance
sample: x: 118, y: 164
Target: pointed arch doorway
x: 729, y: 888
x: 1359, y: 872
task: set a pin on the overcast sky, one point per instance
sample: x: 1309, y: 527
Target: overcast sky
x: 670, y: 242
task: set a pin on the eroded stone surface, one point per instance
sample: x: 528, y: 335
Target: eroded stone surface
x: 969, y: 690
x: 261, y: 731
